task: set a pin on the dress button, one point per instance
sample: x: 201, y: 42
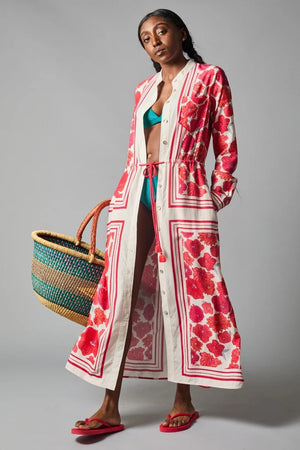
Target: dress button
x: 165, y: 142
x: 161, y: 271
x: 166, y: 313
x: 160, y: 185
x: 159, y: 208
x: 163, y: 292
x: 168, y: 101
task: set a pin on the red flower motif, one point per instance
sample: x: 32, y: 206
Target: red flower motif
x: 182, y: 186
x: 149, y: 312
x: 88, y: 342
x: 224, y: 337
x: 207, y: 261
x: 100, y: 317
x: 203, y: 278
x: 215, y: 348
x: 194, y: 288
x: 141, y: 329
x: 194, y: 247
x: 207, y: 308
x: 194, y: 357
x: 147, y: 341
x: 136, y: 354
x: 215, y: 251
x: 236, y: 340
x: 221, y: 287
x: 188, y: 143
x: 203, y: 332
x: 183, y: 172
x: 196, y: 344
x: 229, y: 163
x: 187, y: 258
x: 222, y: 124
x: 221, y: 304
x: 186, y: 234
x: 196, y: 314
x: 134, y: 341
x: 129, y: 157
x: 119, y: 189
x: 187, y: 271
x: 218, y: 322
x: 209, y: 238
x: 208, y: 360
x: 235, y: 356
x: 228, y: 111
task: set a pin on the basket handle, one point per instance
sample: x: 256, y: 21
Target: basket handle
x: 93, y: 214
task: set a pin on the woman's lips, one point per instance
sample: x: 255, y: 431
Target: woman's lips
x: 159, y: 52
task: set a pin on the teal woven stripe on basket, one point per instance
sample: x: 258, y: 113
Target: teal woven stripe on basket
x: 67, y: 263
x: 61, y: 298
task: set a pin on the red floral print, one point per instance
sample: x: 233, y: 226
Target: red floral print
x: 99, y: 317
x: 208, y: 360
x: 224, y: 337
x: 215, y: 348
x: 88, y: 342
x: 203, y: 332
x: 218, y: 322
x: 204, y: 278
x: 196, y: 344
x: 207, y: 308
x: 196, y: 314
x: 194, y: 247
x: 221, y: 304
x: 149, y: 312
x: 207, y: 261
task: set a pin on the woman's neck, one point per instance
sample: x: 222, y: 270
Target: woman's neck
x: 169, y: 71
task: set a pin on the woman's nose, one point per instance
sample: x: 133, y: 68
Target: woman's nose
x: 155, y: 41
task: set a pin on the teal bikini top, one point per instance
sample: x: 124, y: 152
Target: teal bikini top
x: 151, y: 118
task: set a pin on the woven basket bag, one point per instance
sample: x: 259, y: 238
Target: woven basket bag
x: 66, y: 271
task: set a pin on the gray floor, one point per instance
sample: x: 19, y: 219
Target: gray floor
x: 40, y: 404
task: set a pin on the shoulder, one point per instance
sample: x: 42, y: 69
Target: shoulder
x: 211, y: 73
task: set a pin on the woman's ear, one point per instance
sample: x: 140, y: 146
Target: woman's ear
x: 184, y: 36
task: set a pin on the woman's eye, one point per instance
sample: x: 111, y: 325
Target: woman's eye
x: 163, y: 31
x: 146, y: 39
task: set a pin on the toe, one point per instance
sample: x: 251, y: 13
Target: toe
x: 79, y: 422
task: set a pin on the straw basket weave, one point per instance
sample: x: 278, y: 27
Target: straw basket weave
x: 66, y: 271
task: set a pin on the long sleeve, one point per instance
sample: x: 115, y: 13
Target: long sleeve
x: 223, y: 183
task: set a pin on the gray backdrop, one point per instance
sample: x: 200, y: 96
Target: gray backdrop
x: 67, y: 78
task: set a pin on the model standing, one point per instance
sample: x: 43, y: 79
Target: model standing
x: 161, y: 309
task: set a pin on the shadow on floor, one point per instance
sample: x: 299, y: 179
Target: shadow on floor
x: 263, y: 400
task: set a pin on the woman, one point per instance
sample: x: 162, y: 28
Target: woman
x: 161, y: 309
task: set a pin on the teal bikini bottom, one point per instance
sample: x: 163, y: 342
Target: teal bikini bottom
x: 145, y: 197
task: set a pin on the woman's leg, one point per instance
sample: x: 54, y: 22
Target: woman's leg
x: 109, y: 410
x: 182, y: 403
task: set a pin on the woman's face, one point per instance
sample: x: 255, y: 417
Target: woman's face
x: 162, y: 40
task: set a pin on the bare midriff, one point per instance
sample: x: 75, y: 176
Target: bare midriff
x: 152, y: 134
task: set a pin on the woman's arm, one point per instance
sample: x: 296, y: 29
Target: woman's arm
x: 224, y: 143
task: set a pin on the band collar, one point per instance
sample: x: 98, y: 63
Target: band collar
x: 189, y: 65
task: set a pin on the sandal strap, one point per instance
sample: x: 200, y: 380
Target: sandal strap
x: 98, y: 420
x: 179, y: 414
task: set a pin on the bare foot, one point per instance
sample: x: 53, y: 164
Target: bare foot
x: 111, y: 416
x: 179, y: 420
x: 182, y: 404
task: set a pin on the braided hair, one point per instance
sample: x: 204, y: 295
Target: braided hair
x: 187, y: 45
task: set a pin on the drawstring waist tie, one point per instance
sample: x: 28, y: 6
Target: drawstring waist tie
x: 150, y: 171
